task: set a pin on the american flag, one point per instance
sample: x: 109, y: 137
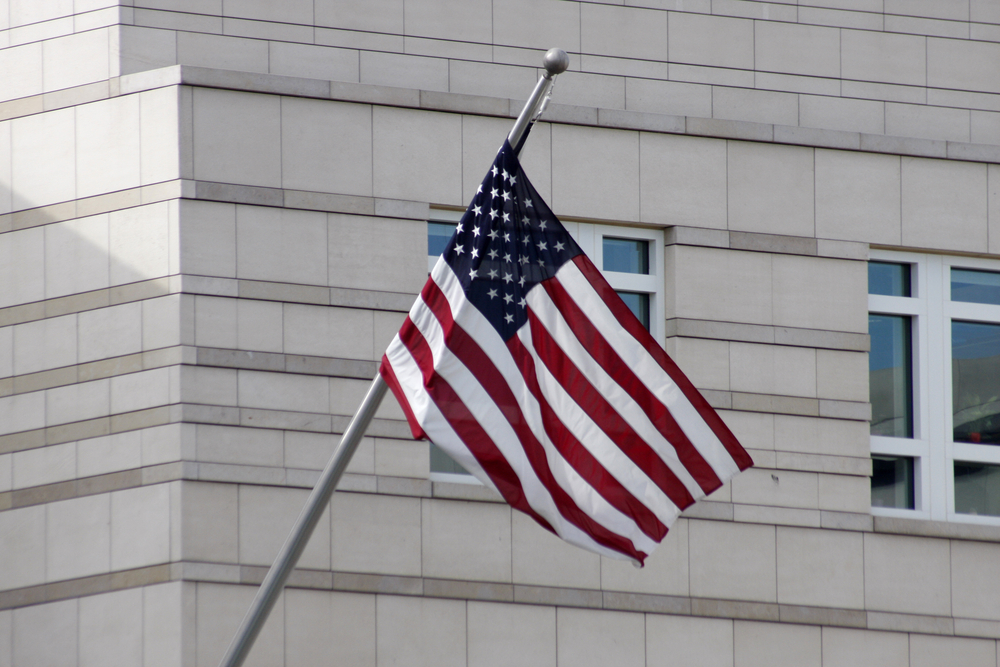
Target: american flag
x: 520, y: 361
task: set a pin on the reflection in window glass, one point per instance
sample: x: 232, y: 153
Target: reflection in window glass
x: 638, y: 303
x: 441, y: 462
x: 626, y: 255
x: 892, y: 482
x: 975, y: 381
x: 975, y: 286
x: 977, y: 488
x: 888, y: 279
x: 889, y: 376
x: 438, y: 235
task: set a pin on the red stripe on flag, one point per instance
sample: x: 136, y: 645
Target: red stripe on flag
x: 633, y: 326
x: 389, y: 375
x: 466, y: 425
x: 619, y: 371
x: 489, y: 377
x: 604, y: 415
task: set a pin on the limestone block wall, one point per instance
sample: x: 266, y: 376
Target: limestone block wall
x: 213, y: 220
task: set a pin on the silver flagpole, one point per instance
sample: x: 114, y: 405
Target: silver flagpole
x: 556, y: 61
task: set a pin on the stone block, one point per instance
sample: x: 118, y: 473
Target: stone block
x: 797, y: 281
x: 24, y: 65
x: 111, y: 629
x: 472, y: 20
x: 858, y: 197
x: 139, y: 242
x: 162, y: 321
x: 539, y: 557
x: 909, y: 575
x: 22, y: 262
x: 219, y: 609
x: 385, y: 16
x: 536, y: 25
x: 771, y: 189
x: 266, y: 515
x: 482, y: 137
x: 314, y: 62
x: 222, y: 52
x: 884, y: 57
x: 141, y: 391
x: 207, y: 238
x: 320, y: 331
x: 403, y: 71
x: 684, y: 640
x: 844, y: 647
x: 668, y: 97
x: 488, y: 80
x: 44, y: 465
x: 784, y: 488
x: 44, y: 344
x: 579, y: 189
x: 715, y: 41
x: 705, y: 362
x: 326, y: 146
x: 714, y: 571
x: 75, y: 60
x: 842, y: 375
x: 772, y: 369
x: 23, y: 549
x: 974, y: 586
x: 46, y: 634
x: 322, y: 626
x: 755, y: 106
x: 140, y: 527
x: 682, y: 180
x: 963, y: 65
x: 78, y: 537
x: 820, y: 568
x: 43, y: 159
x: 107, y: 454
x: 423, y: 632
x: 76, y: 256
x: 110, y: 332
x: 820, y: 436
x: 276, y: 391
x: 777, y: 645
x: 836, y: 113
x: 208, y: 522
x: 665, y: 571
x: 77, y: 402
x: 928, y: 650
x: 215, y: 322
x: 107, y: 146
x: 464, y: 540
x: 417, y: 155
x: 259, y: 325
x: 754, y: 430
x: 377, y: 534
x: 401, y: 458
x: 586, y: 93
x: 796, y: 49
x: 359, y: 256
x: 589, y: 637
x: 504, y: 633
x: 281, y: 245
x: 159, y: 123
x: 237, y: 136
x: 720, y: 285
x: 927, y: 122
x: 944, y: 204
x: 624, y: 32
x: 241, y: 446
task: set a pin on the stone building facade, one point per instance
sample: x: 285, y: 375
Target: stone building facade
x: 213, y: 219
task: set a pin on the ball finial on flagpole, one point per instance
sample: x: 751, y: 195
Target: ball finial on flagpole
x: 556, y: 61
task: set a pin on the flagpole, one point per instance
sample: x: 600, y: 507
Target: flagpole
x: 555, y: 62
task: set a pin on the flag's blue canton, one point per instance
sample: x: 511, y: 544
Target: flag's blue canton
x: 507, y: 242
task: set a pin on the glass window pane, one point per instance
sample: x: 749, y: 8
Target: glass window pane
x: 441, y: 462
x: 977, y: 488
x: 892, y: 482
x: 438, y: 235
x: 638, y: 303
x: 626, y: 255
x: 889, y: 376
x: 975, y: 381
x: 888, y: 279
x: 975, y: 286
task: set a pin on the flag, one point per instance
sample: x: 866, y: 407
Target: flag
x: 520, y: 361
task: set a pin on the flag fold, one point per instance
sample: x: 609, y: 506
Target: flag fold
x: 521, y: 362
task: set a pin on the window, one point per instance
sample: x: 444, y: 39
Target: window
x: 630, y: 258
x: 934, y: 382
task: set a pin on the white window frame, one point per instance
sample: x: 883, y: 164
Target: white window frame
x: 590, y: 237
x: 932, y: 449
